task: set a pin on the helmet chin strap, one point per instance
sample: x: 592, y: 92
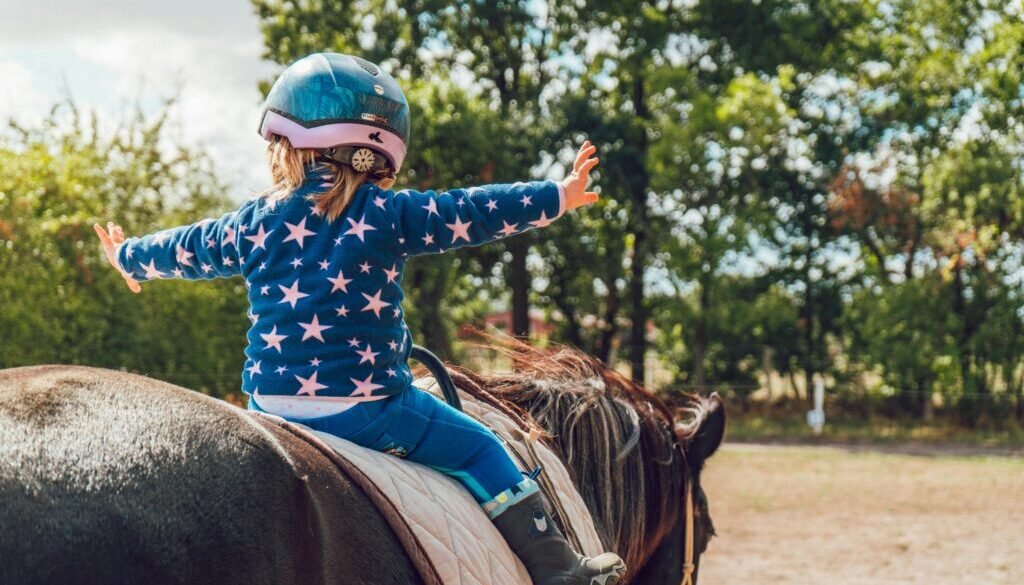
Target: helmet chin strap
x: 361, y: 158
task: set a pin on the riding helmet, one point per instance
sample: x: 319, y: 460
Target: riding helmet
x: 348, y: 108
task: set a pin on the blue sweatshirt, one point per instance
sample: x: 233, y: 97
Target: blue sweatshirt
x: 326, y: 297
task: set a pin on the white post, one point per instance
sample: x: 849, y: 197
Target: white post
x: 816, y: 417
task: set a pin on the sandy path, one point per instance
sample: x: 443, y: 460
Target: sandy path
x: 820, y: 515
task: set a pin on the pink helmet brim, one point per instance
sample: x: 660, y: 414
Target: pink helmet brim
x: 341, y: 134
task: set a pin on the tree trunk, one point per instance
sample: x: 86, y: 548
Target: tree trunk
x: 969, y: 403
x: 808, y: 311
x: 700, y: 339
x: 638, y: 308
x: 520, y: 284
x: 611, y: 327
x: 766, y: 365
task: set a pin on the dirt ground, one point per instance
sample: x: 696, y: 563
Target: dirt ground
x: 832, y: 516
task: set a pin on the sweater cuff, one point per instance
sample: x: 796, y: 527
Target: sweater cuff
x: 561, y: 199
x: 117, y: 255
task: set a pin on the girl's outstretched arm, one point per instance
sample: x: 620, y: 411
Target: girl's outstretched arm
x: 429, y: 222
x: 206, y: 249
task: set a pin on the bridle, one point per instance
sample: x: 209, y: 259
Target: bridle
x: 689, y: 567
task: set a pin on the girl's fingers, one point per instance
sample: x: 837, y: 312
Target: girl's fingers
x: 587, y: 166
x: 591, y: 197
x: 583, y: 156
x: 104, y: 237
x: 133, y: 285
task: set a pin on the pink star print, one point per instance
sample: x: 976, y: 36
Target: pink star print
x: 340, y: 283
x: 431, y: 207
x: 259, y: 239
x: 379, y: 202
x: 542, y: 222
x: 314, y: 329
x: 298, y: 233
x: 342, y: 311
x: 368, y: 355
x: 292, y: 294
x: 254, y: 369
x: 428, y: 239
x: 354, y: 342
x: 492, y: 205
x: 364, y: 267
x: 183, y: 256
x: 375, y: 304
x: 309, y: 385
x: 229, y: 236
x: 359, y: 228
x: 273, y: 339
x: 365, y: 387
x: 508, y: 230
x: 459, y: 229
x: 151, y: 271
x: 391, y: 274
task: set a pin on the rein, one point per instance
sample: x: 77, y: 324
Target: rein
x: 688, y: 566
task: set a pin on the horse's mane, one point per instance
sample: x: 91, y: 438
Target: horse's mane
x: 618, y: 440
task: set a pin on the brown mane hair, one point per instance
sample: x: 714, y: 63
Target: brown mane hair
x: 618, y: 440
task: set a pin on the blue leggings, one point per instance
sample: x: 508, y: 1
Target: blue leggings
x: 419, y: 427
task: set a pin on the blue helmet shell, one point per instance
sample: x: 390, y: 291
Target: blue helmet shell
x: 329, y: 99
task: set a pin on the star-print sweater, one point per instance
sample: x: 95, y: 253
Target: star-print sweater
x: 326, y: 297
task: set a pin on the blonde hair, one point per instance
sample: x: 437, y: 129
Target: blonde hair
x: 288, y: 170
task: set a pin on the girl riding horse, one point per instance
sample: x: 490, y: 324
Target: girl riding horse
x: 322, y: 253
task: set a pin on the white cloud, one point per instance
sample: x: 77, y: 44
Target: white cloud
x: 20, y: 99
x: 113, y: 53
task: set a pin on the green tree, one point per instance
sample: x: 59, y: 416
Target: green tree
x: 62, y: 302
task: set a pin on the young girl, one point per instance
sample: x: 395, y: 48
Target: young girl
x: 322, y: 254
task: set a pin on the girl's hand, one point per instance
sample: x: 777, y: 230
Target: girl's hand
x: 109, y: 242
x: 575, y: 185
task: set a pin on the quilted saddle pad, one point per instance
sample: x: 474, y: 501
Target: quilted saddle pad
x: 455, y: 541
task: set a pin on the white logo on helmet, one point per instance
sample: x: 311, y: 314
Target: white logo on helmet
x: 379, y: 89
x: 362, y: 160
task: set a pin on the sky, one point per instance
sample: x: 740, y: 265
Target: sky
x: 110, y: 54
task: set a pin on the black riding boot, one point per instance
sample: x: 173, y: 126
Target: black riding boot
x: 549, y: 559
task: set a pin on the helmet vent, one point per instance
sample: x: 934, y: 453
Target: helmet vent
x: 367, y: 66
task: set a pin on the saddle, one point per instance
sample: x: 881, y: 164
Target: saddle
x: 446, y: 534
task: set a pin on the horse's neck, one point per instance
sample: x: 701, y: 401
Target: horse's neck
x: 633, y: 500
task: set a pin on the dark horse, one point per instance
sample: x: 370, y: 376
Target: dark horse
x: 107, y: 477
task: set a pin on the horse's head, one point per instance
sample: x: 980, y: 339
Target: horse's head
x: 699, y: 429
x: 632, y: 459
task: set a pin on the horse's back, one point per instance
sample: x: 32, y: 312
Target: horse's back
x: 115, y: 478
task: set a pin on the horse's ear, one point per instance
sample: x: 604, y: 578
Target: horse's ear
x: 703, y: 444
